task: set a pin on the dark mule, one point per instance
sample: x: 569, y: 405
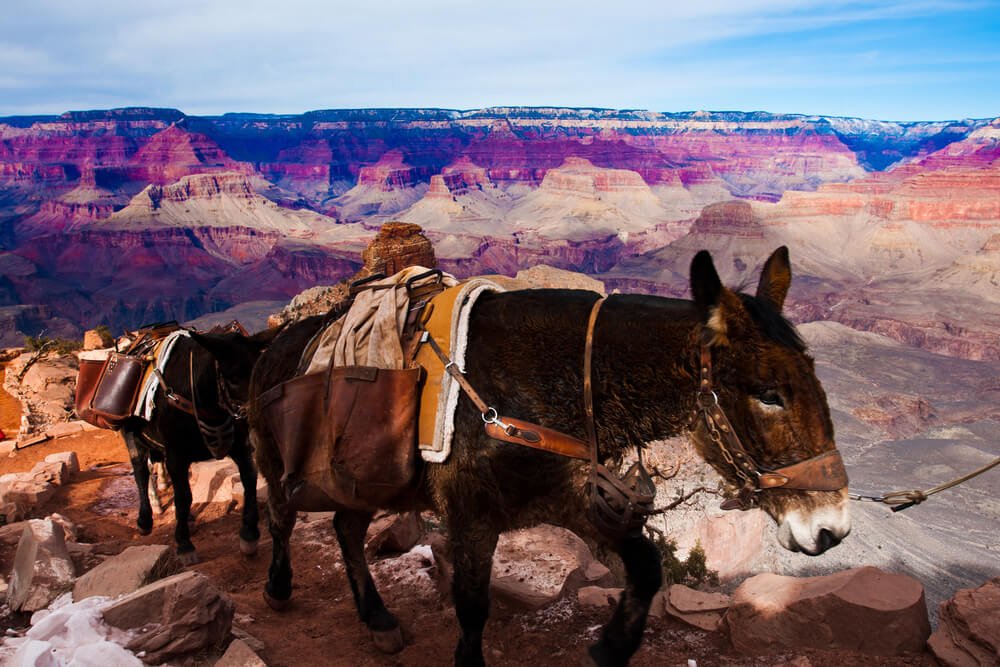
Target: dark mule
x: 217, y: 367
x: 525, y: 357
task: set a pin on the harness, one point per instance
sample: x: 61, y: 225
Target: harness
x: 621, y: 505
x: 217, y: 426
x: 823, y: 472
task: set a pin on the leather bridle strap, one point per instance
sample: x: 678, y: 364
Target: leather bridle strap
x: 588, y: 384
x: 823, y: 472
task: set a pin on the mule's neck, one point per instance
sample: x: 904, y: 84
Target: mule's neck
x: 645, y: 370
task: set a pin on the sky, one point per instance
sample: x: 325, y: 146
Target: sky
x: 880, y: 59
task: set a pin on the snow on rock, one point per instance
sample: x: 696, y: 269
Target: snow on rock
x: 69, y: 634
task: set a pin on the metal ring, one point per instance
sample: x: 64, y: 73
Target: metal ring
x: 490, y: 420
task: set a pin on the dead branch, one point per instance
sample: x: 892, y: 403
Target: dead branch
x: 35, y: 357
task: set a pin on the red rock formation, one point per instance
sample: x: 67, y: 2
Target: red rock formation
x: 176, y: 152
x: 390, y: 173
x: 969, y: 631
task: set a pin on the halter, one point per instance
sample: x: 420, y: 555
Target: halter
x: 823, y: 472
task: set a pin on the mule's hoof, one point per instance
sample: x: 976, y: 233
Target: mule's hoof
x: 248, y: 548
x: 388, y: 641
x: 144, y: 531
x: 275, y: 603
x: 187, y: 558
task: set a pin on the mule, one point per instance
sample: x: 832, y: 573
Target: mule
x: 213, y: 372
x: 525, y: 357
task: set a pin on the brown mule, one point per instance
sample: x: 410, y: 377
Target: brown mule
x: 525, y: 356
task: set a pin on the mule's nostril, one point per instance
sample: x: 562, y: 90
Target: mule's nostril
x: 826, y: 540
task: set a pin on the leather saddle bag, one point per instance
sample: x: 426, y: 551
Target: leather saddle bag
x: 117, y: 388
x: 347, y: 437
x: 87, y: 379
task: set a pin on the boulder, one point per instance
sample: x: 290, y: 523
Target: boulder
x: 172, y: 617
x: 397, y: 246
x: 239, y: 496
x: 862, y: 609
x: 544, y: 276
x: 127, y: 572
x: 212, y: 481
x: 394, y: 533
x: 968, y: 633
x: 239, y: 654
x: 97, y: 339
x: 598, y: 596
x: 63, y: 429
x: 53, y: 472
x: 43, y: 569
x: 536, y: 566
x: 23, y: 491
x: 69, y: 459
x: 46, y: 390
x: 700, y: 609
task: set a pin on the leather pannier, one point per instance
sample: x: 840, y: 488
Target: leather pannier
x: 118, y: 387
x: 347, y: 437
x: 87, y: 379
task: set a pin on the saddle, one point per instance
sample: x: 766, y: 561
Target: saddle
x: 347, y: 434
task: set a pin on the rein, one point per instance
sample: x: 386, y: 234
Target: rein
x: 823, y: 472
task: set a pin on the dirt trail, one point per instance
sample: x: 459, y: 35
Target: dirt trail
x: 321, y: 627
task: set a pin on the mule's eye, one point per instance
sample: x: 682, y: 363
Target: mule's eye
x: 771, y: 397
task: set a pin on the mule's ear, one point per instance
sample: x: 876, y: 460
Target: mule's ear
x: 707, y: 291
x: 775, y: 279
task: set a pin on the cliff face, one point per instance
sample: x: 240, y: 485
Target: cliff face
x: 105, y: 205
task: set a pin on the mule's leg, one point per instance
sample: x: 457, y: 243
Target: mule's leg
x: 472, y: 547
x: 351, y: 527
x: 622, y: 635
x: 140, y: 470
x: 281, y: 521
x: 249, y: 530
x: 178, y: 470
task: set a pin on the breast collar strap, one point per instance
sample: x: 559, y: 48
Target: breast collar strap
x: 823, y: 472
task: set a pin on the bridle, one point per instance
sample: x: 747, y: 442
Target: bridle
x: 823, y: 472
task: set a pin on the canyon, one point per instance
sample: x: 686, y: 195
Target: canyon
x: 125, y: 216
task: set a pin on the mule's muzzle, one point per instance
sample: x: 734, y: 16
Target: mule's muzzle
x: 814, y: 532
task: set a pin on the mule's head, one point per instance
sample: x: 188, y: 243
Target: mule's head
x: 766, y: 384
x: 234, y: 355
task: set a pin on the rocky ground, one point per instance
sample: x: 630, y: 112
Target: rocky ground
x: 321, y: 626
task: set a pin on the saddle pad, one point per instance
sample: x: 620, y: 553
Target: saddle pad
x: 144, y: 407
x: 448, y: 323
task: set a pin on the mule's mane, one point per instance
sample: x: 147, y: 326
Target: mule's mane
x: 772, y: 323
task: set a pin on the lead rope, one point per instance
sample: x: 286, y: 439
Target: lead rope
x: 901, y: 500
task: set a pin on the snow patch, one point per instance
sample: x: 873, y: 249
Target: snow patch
x: 69, y: 633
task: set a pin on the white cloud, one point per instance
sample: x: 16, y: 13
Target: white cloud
x: 290, y: 56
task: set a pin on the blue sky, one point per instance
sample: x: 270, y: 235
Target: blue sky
x: 884, y: 59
